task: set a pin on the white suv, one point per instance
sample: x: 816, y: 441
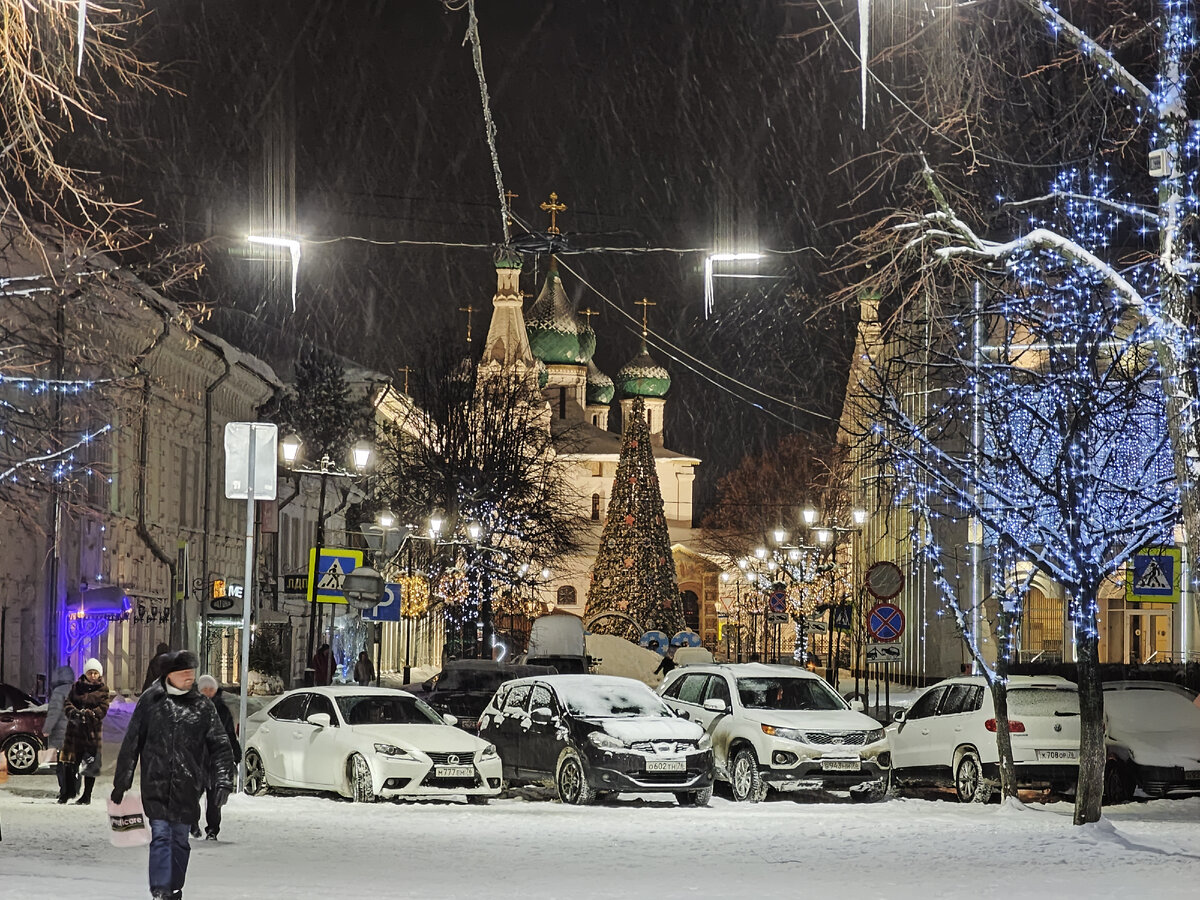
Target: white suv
x: 780, y: 727
x: 948, y: 735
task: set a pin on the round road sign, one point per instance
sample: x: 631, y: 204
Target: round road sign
x: 884, y: 580
x: 885, y: 622
x: 777, y: 602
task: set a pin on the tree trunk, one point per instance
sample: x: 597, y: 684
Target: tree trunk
x: 1090, y: 790
x: 1008, y: 772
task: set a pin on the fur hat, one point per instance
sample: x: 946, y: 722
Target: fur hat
x: 207, y: 681
x: 93, y: 665
x: 180, y: 660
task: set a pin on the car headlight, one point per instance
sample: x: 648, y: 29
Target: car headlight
x: 391, y: 750
x: 705, y: 743
x: 788, y: 734
x: 605, y: 741
x: 877, y: 735
x: 489, y: 752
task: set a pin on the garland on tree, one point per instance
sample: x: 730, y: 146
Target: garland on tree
x: 634, y: 573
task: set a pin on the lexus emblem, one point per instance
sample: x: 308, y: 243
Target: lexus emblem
x: 452, y: 759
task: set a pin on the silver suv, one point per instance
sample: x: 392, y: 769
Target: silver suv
x: 780, y: 727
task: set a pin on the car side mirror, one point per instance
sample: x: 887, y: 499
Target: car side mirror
x: 716, y: 704
x: 321, y: 720
x: 449, y: 719
x: 541, y: 716
x: 857, y: 705
x: 898, y: 716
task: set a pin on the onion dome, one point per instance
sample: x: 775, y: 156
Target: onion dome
x: 551, y: 325
x: 543, y: 374
x: 587, y: 343
x: 642, y: 377
x: 600, y: 388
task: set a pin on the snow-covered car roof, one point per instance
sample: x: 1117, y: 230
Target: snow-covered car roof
x: 343, y: 690
x: 1145, y: 686
x: 752, y: 670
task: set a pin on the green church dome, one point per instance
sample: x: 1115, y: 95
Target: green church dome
x: 600, y: 388
x: 587, y: 342
x: 642, y: 377
x: 552, y: 328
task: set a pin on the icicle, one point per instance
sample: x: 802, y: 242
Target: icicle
x: 82, y: 24
x: 864, y: 41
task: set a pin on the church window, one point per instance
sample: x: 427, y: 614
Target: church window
x: 567, y: 596
x: 595, y: 507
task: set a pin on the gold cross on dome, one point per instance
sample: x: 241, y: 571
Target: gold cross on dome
x: 405, y: 370
x: 554, y: 208
x: 468, y: 309
x: 589, y: 313
x: 645, y: 305
x: 509, y: 196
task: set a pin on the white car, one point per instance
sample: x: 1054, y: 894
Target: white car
x: 780, y: 727
x: 1152, y: 730
x: 367, y: 744
x: 948, y: 736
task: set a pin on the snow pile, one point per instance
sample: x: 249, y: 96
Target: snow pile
x: 621, y: 657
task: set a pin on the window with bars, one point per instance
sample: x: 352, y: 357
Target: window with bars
x: 1042, y: 628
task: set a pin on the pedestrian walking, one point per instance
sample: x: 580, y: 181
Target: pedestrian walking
x: 364, y: 669
x: 85, y: 706
x: 322, y: 665
x: 667, y: 664
x: 56, y: 730
x: 176, y: 735
x: 208, y: 686
x: 154, y: 670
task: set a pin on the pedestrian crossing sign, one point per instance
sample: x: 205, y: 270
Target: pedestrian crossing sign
x: 326, y: 571
x: 1154, y: 575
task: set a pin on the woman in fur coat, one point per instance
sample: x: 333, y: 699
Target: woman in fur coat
x: 86, y: 706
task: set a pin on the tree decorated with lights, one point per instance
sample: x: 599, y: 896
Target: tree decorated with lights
x: 1043, y: 422
x: 634, y: 572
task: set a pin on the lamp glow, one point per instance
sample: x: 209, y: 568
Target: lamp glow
x: 293, y: 248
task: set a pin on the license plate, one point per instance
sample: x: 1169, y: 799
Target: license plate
x: 453, y: 771
x: 666, y: 765
x: 1049, y: 755
x: 841, y: 765
x: 1192, y: 775
x: 468, y: 724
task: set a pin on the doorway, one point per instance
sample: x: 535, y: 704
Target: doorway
x: 1148, y: 636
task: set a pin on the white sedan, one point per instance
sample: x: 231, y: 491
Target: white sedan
x: 367, y: 744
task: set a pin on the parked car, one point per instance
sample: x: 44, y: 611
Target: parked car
x: 1152, y: 730
x: 557, y: 640
x: 367, y: 744
x: 464, y: 687
x: 780, y: 727
x: 597, y: 735
x: 21, y: 736
x: 948, y: 736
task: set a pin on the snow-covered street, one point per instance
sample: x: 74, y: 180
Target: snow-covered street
x: 315, y: 847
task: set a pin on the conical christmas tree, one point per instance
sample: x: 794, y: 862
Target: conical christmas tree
x: 634, y: 574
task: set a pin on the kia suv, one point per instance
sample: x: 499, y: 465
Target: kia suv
x: 948, y: 736
x: 780, y: 727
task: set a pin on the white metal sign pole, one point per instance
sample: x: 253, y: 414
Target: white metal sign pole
x: 247, y: 604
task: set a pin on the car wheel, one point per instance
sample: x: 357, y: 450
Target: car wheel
x: 478, y: 799
x: 256, y: 775
x: 22, y: 753
x: 746, y: 779
x: 969, y: 781
x: 359, y: 775
x: 695, y: 798
x: 572, y: 782
x: 1118, y: 786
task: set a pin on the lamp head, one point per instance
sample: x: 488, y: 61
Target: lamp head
x: 809, y: 515
x: 290, y: 448
x: 860, y: 517
x: 475, y: 530
x: 362, y: 452
x: 387, y: 518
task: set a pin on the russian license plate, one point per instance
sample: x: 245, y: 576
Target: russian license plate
x: 453, y: 771
x: 841, y: 765
x: 1057, y: 755
x: 468, y: 724
x: 666, y: 765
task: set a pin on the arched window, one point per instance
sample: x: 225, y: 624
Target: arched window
x: 567, y: 596
x: 691, y: 610
x: 595, y: 507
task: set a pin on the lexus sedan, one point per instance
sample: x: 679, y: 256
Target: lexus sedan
x: 368, y: 744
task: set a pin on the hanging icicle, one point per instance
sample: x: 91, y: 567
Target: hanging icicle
x: 864, y: 44
x: 81, y: 26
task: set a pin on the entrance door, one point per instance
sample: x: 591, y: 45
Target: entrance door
x: 1147, y: 636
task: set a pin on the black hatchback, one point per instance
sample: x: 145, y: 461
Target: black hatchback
x: 597, y: 736
x: 464, y: 687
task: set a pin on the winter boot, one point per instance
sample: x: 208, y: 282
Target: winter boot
x: 195, y: 832
x: 88, y: 784
x: 67, y: 787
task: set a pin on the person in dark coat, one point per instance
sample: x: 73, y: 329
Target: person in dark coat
x: 56, y: 729
x: 322, y: 665
x: 176, y: 734
x: 154, y: 670
x: 85, y: 706
x: 364, y: 669
x: 209, y: 687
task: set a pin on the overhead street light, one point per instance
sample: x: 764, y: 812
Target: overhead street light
x: 708, y: 273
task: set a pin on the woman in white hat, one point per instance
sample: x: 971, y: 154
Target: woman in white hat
x: 86, y: 706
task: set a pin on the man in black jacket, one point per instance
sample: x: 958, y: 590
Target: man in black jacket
x: 177, y: 735
x: 209, y: 687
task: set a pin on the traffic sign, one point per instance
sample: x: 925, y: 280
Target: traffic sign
x: 776, y: 618
x: 1154, y: 575
x: 843, y: 617
x: 387, y: 609
x: 325, y: 574
x: 884, y: 580
x: 777, y: 601
x: 875, y: 654
x: 885, y: 622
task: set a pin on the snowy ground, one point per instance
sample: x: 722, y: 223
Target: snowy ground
x: 317, y: 847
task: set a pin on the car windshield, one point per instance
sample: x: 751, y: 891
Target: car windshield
x: 1042, y: 701
x: 384, y: 709
x: 787, y: 693
x: 608, y: 700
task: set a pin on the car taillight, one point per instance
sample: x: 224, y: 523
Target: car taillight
x: 1014, y: 727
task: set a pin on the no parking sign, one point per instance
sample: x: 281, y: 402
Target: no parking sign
x: 885, y: 622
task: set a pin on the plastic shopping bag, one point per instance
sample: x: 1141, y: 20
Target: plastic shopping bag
x: 128, y: 823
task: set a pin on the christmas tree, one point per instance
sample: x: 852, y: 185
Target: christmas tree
x: 634, y: 574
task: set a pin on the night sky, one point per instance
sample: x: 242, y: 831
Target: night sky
x: 660, y: 125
